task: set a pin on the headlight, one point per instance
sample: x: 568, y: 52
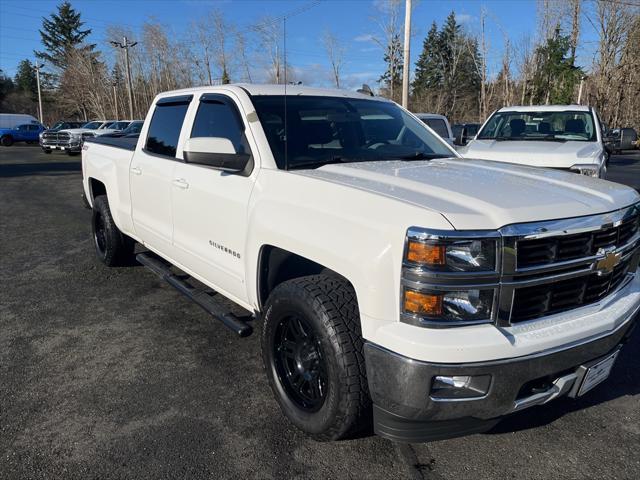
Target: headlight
x: 458, y: 306
x: 449, y: 278
x: 468, y: 255
x: 588, y: 169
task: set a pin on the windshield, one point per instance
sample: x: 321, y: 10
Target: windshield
x: 134, y: 127
x: 92, y: 125
x: 555, y: 126
x: 118, y: 125
x: 324, y: 130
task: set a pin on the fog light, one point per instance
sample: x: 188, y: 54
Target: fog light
x: 460, y: 387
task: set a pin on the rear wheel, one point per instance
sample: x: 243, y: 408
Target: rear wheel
x: 7, y: 140
x: 312, y: 352
x: 112, y: 246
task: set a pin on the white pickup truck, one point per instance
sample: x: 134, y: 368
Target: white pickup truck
x: 389, y: 276
x: 568, y: 137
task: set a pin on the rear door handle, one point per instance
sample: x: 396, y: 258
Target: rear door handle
x: 136, y: 171
x: 181, y: 183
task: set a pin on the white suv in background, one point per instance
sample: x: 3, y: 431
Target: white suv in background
x: 567, y: 137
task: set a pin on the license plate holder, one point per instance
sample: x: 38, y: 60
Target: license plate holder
x: 596, y: 374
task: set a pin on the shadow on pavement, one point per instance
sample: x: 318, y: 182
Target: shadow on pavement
x: 49, y: 168
x: 624, y: 381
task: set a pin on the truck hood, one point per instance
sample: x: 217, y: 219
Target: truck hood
x: 479, y: 195
x: 537, y: 154
x: 79, y: 131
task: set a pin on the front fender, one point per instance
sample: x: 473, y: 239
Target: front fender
x: 355, y: 233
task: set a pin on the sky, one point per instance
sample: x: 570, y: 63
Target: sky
x: 351, y: 21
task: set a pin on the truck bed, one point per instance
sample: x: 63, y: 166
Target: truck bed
x: 126, y: 143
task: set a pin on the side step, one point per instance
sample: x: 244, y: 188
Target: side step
x: 201, y: 297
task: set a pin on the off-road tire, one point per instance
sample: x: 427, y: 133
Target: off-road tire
x: 112, y: 246
x: 328, y: 304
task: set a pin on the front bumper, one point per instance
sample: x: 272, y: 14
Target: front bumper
x: 73, y: 146
x: 400, y: 387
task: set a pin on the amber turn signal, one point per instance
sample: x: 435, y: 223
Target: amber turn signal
x: 422, y: 303
x: 425, y: 253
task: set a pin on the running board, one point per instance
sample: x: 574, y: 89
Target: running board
x: 201, y: 297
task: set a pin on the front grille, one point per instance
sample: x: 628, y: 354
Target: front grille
x: 541, y: 300
x: 56, y: 138
x: 545, y: 251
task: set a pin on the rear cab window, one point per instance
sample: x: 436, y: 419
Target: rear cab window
x: 166, y: 124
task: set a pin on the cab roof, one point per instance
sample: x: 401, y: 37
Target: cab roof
x: 266, y: 89
x: 546, y: 108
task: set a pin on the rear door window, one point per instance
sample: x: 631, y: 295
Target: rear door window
x: 165, y: 126
x: 438, y: 126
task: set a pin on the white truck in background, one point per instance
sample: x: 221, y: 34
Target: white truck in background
x: 566, y: 137
x: 389, y: 275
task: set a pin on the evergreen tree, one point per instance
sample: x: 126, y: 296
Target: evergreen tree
x: 447, y: 77
x: 61, y: 34
x: 392, y: 77
x: 25, y: 78
x: 6, y: 87
x: 556, y: 77
x: 428, y: 73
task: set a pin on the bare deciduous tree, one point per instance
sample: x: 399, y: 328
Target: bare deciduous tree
x: 335, y: 51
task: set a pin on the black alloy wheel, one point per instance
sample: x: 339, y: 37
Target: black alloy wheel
x: 300, y: 363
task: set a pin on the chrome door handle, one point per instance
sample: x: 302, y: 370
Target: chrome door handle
x: 136, y: 171
x: 181, y: 183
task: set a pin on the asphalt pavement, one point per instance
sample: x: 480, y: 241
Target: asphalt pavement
x: 110, y: 373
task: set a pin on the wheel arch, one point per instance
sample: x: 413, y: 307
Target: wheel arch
x: 96, y: 188
x: 277, y: 265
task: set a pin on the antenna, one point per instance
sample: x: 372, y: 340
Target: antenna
x: 286, y: 136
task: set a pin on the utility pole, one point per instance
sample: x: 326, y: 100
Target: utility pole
x: 126, y: 45
x: 37, y: 68
x: 582, y: 79
x: 406, y: 54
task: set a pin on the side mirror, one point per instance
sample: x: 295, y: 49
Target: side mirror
x: 215, y: 152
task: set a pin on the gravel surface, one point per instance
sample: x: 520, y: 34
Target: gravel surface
x: 110, y: 373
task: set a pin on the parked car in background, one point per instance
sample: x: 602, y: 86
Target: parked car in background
x: 70, y: 140
x: 439, y: 124
x: 28, y: 132
x: 133, y: 129
x: 624, y: 139
x: 12, y: 120
x: 114, y: 127
x: 463, y: 132
x: 566, y: 137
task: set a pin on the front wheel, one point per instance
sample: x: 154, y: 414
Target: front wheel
x: 112, y: 246
x: 7, y: 140
x: 312, y: 353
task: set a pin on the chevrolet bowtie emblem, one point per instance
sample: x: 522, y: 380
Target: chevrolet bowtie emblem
x: 606, y: 264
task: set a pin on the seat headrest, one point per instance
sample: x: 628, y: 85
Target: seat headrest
x: 575, y: 125
x: 544, y: 127
x: 517, y: 125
